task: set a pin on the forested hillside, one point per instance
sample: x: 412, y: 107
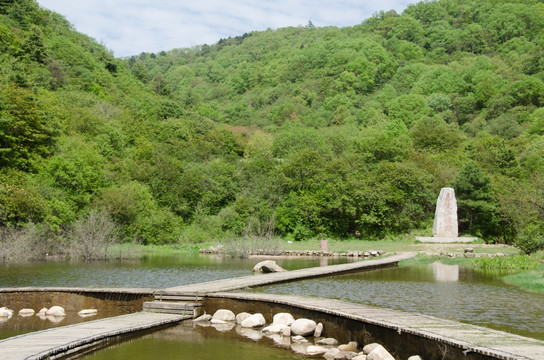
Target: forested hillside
x: 299, y: 132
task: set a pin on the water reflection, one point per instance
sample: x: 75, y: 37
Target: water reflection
x: 443, y: 272
x: 189, y: 340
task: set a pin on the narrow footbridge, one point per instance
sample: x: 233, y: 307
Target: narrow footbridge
x: 66, y: 340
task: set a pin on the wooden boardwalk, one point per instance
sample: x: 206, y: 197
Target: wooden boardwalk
x: 469, y: 338
x: 202, y: 289
x: 66, y: 340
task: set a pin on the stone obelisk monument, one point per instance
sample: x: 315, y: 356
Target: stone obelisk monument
x: 445, y: 216
x: 445, y: 220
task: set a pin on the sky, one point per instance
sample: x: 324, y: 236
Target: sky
x: 130, y: 27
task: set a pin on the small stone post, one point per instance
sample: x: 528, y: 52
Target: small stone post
x: 445, y: 217
x: 324, y: 245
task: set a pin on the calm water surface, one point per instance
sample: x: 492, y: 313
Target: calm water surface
x: 150, y: 272
x: 450, y: 292
x: 190, y: 341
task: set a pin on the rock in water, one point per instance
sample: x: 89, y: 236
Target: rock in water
x: 42, y: 311
x: 316, y: 350
x: 88, y: 312
x: 56, y: 311
x: 333, y: 354
x: 254, y: 321
x: 6, y: 313
x: 327, y: 341
x: 283, y: 318
x: 276, y: 329
x: 303, y: 327
x: 241, y: 317
x: 318, y: 330
x: 445, y: 217
x: 351, y: 346
x: 379, y: 353
x: 267, y: 266
x: 205, y: 317
x: 368, y: 348
x: 224, y: 315
x: 361, y: 357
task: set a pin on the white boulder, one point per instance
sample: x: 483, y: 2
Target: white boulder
x: 327, y: 341
x: 254, y: 321
x: 287, y: 332
x: 316, y: 350
x: 351, y: 346
x: 241, y: 317
x: 361, y: 357
x: 283, y: 318
x: 303, y: 327
x: 26, y: 312
x: 299, y: 339
x: 379, y: 353
x: 276, y: 329
x: 88, y: 312
x: 56, y: 311
x: 267, y: 266
x: 318, y: 330
x: 224, y: 315
x: 368, y: 348
x: 5, y: 312
x: 42, y: 312
x: 202, y: 318
x: 349, y: 355
x: 415, y: 357
x: 333, y: 354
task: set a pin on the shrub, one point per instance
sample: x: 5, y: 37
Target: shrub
x: 22, y: 244
x: 531, y: 240
x: 91, y: 236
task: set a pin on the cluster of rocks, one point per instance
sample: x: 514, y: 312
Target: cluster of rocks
x: 218, y: 250
x: 304, y: 336
x: 469, y: 253
x: 54, y: 314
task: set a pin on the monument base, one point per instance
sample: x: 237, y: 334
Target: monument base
x: 446, y: 239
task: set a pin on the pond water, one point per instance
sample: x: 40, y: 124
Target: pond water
x: 446, y: 291
x: 150, y: 272
x: 451, y: 292
x: 190, y: 340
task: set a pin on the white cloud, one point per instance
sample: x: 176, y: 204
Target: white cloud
x: 130, y: 27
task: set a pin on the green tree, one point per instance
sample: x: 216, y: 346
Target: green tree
x: 477, y: 207
x: 26, y: 133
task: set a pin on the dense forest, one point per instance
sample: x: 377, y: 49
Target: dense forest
x: 299, y: 132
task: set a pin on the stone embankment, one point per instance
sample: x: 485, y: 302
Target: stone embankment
x: 303, y: 336
x: 469, y: 253
x: 219, y: 250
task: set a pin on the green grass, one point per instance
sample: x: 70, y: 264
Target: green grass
x: 532, y: 280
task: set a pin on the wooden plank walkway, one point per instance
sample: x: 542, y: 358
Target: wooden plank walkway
x: 65, y: 340
x: 470, y: 338
x: 238, y: 283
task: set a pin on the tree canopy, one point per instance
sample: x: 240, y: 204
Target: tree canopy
x: 302, y: 131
